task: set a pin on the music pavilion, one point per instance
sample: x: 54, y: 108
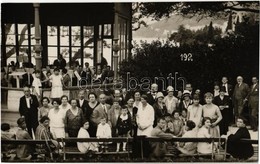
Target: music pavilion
x: 82, y: 32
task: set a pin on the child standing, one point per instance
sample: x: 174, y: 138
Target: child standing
x: 56, y: 80
x: 103, y: 131
x: 123, y: 126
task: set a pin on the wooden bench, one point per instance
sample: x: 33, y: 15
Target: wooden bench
x: 40, y: 154
x: 109, y: 150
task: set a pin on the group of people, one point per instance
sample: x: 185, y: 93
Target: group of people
x: 152, y: 114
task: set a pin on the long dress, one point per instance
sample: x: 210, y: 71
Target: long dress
x: 171, y: 104
x: 145, y: 117
x: 57, y: 124
x: 56, y: 89
x: 195, y: 114
x: 238, y: 149
x: 204, y: 147
x: 213, y: 113
x: 92, y: 126
x: 73, y: 122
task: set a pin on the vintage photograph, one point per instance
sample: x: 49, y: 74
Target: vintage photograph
x: 174, y: 81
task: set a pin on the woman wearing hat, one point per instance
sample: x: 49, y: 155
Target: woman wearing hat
x: 145, y: 118
x: 186, y: 100
x: 170, y: 100
x: 222, y: 101
x: 160, y: 109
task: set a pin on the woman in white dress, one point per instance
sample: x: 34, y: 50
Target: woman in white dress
x: 56, y: 80
x: 57, y: 120
x: 195, y: 112
x: 204, y: 147
x: 145, y: 118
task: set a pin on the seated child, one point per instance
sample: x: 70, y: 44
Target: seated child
x: 103, y: 131
x: 85, y: 147
x: 124, y: 126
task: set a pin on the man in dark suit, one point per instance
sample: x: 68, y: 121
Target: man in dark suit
x: 28, y: 108
x: 152, y: 94
x: 60, y: 62
x: 222, y: 101
x: 239, y: 96
x: 125, y: 96
x: 83, y: 76
x: 228, y: 87
x: 81, y: 102
x: 253, y: 101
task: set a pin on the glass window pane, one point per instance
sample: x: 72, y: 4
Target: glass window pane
x: 88, y: 35
x: 10, y: 53
x: 107, y: 50
x: 22, y: 29
x: 23, y: 54
x: 64, y: 35
x: 65, y: 53
x: 9, y: 29
x: 76, y: 54
x: 75, y: 38
x: 10, y: 40
x: 23, y: 39
x: 107, y: 29
x: 88, y: 56
x: 52, y: 35
x: 52, y: 54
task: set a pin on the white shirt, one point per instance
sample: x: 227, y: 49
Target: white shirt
x: 81, y: 102
x: 226, y: 86
x: 104, y: 131
x: 28, y: 103
x: 37, y: 84
x: 57, y: 118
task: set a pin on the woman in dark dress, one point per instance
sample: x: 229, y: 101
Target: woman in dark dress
x: 235, y: 147
x: 160, y: 109
x: 91, y: 105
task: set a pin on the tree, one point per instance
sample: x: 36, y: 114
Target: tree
x: 199, y: 9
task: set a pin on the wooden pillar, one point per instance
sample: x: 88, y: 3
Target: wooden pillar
x: 37, y: 47
x: 116, y: 46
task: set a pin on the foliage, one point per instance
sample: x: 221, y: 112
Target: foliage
x: 230, y: 55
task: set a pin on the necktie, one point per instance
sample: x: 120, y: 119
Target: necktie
x: 28, y: 79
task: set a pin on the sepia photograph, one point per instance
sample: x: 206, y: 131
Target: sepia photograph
x: 172, y: 81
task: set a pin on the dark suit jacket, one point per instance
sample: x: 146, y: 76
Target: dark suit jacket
x: 253, y: 96
x: 241, y: 92
x: 83, y: 75
x: 25, y: 80
x: 60, y: 63
x: 99, y: 112
x: 126, y: 98
x: 230, y: 89
x: 83, y: 107
x: 217, y: 101
x: 30, y: 114
x: 151, y: 100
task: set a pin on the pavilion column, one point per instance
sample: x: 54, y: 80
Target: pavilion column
x: 116, y: 46
x: 37, y: 47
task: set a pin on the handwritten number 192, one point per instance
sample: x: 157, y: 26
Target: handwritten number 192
x: 186, y: 57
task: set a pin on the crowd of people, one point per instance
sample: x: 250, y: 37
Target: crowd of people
x: 151, y: 114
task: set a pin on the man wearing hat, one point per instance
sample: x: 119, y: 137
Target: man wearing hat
x: 223, y: 102
x: 170, y: 100
x: 186, y: 100
x: 152, y: 94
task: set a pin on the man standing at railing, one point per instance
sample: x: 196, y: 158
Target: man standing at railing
x: 28, y: 108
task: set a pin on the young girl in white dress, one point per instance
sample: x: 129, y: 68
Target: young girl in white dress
x: 56, y: 80
x: 204, y: 147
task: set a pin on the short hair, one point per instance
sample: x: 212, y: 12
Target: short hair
x: 64, y: 96
x: 44, y: 118
x: 57, y: 100
x: 176, y: 111
x: 205, y: 119
x: 144, y: 97
x: 64, y: 70
x: 190, y: 124
x: 20, y: 121
x: 72, y: 100
x: 5, y: 126
x: 37, y: 71
x: 242, y: 118
x: 45, y: 98
x: 92, y: 93
x: 196, y: 97
x: 160, y: 118
x: 85, y: 122
x: 124, y: 107
x: 208, y: 94
x: 56, y: 69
